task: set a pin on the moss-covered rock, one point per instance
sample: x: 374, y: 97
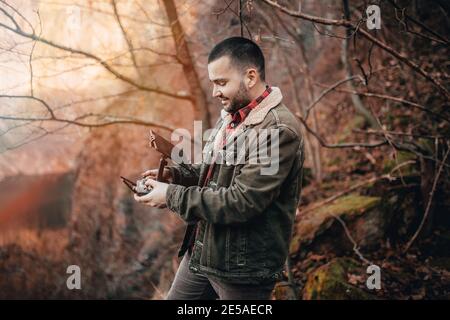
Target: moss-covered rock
x: 330, y: 282
x: 316, y: 222
x: 384, y: 211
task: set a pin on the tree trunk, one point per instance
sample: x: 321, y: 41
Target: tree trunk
x: 201, y: 111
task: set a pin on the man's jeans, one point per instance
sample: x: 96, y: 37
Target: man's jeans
x: 191, y: 286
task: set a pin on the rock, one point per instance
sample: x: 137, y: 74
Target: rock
x: 386, y: 211
x: 319, y: 231
x: 331, y: 282
x: 402, y: 205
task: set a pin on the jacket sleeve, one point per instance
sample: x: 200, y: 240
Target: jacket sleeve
x: 184, y: 177
x: 249, y: 195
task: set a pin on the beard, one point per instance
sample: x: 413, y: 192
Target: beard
x: 240, y: 100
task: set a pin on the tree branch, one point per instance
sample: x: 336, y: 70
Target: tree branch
x: 427, y: 210
x: 368, y: 36
x: 323, y: 143
x: 76, y: 121
x: 386, y: 97
x: 103, y: 63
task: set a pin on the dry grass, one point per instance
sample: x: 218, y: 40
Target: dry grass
x: 50, y: 243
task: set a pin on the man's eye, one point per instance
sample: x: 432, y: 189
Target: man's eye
x: 221, y: 83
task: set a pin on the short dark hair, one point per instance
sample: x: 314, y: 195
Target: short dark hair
x: 242, y: 53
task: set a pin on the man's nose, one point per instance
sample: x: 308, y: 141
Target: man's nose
x: 216, y: 93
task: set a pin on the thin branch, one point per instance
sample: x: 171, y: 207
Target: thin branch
x: 45, y: 104
x: 77, y: 121
x: 223, y: 10
x: 404, y: 23
x: 328, y: 90
x: 4, y: 132
x: 352, y: 240
x: 120, y: 76
x: 27, y: 141
x: 237, y: 14
x: 114, y: 95
x: 387, y: 97
x: 10, y: 18
x: 343, y: 193
x: 18, y: 13
x: 356, y: 187
x: 389, y: 140
x: 323, y: 143
x: 125, y: 35
x: 405, y: 147
x: 422, y: 25
x: 395, y: 133
x: 427, y: 210
x: 407, y: 61
x: 30, y: 62
x: 52, y: 117
x: 108, y: 13
x: 368, y: 36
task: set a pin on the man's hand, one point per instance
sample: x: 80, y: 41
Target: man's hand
x: 157, y: 197
x: 153, y: 173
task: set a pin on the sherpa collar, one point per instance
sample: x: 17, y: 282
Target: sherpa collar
x: 255, y: 116
x: 258, y: 114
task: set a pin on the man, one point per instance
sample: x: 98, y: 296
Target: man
x: 239, y: 217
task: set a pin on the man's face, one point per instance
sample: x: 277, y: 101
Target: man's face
x: 228, y: 84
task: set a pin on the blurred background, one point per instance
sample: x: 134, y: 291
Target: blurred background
x: 83, y: 82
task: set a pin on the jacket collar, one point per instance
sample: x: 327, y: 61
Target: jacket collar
x: 258, y: 114
x: 255, y: 116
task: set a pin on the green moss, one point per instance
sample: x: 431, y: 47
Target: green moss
x: 349, y: 205
x: 329, y: 282
x: 321, y: 218
x: 402, y: 157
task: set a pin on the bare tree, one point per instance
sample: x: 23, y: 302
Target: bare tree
x: 17, y: 24
x: 184, y: 55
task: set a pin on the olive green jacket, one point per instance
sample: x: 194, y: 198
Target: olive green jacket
x: 244, y: 218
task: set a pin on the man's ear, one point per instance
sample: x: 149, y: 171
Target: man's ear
x: 251, y: 77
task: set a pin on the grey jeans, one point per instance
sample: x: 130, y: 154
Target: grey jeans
x: 190, y: 286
